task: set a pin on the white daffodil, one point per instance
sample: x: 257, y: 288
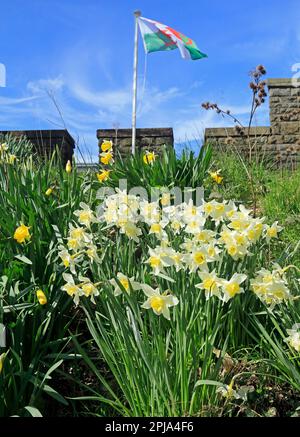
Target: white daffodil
x: 192, y: 213
x: 150, y: 212
x: 71, y: 288
x: 272, y: 231
x: 159, y: 303
x: 205, y: 236
x: 126, y: 283
x: 91, y: 251
x: 195, y: 226
x: 159, y: 259
x: 233, y: 287
x: 294, y: 337
x: 197, y: 259
x: 88, y: 289
x: 131, y: 230
x: 241, y: 219
x: 270, y: 287
x: 158, y: 229
x: 231, y: 209
x: 213, y: 252
x: 85, y: 215
x: 255, y: 230
x: 68, y: 260
x: 210, y: 284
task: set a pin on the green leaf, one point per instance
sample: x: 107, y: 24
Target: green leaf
x: 24, y: 259
x: 33, y: 411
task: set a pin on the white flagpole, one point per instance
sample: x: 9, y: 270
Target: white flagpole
x: 134, y: 88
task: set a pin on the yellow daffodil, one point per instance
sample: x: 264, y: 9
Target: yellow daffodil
x: 41, y: 297
x: 149, y: 157
x: 215, y: 175
x: 106, y: 158
x: 22, y: 233
x: 103, y: 175
x: 106, y: 146
x: 11, y: 159
x: 68, y: 167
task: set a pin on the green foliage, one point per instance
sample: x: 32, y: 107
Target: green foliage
x: 167, y: 170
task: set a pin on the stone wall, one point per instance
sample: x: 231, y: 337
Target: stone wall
x: 45, y: 141
x: 280, y: 141
x: 151, y: 139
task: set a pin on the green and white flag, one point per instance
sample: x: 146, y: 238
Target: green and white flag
x: 158, y: 36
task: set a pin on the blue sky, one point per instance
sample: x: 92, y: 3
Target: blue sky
x: 81, y: 53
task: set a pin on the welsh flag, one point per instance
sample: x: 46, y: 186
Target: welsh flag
x: 157, y: 36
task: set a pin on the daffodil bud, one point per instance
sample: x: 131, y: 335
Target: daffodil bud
x: 41, y: 297
x: 49, y: 192
x: 69, y: 167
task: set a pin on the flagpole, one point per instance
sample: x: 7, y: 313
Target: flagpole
x: 137, y: 14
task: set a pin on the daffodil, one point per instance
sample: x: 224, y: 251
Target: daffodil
x: 131, y: 230
x: 205, y: 236
x: 210, y: 284
x: 149, y: 212
x: 228, y: 392
x: 194, y: 226
x: 216, y: 177
x: 294, y: 337
x: 197, y: 259
x: 41, y: 297
x: 68, y: 260
x: 106, y: 158
x: 165, y: 199
x: 159, y: 303
x: 3, y: 148
x: 68, y: 167
x: 79, y: 233
x: 126, y: 283
x: 159, y: 259
x: 272, y: 231
x: 11, y: 159
x: 149, y: 157
x: 91, y: 251
x: 85, y: 215
x: 103, y: 175
x: 271, y: 286
x: 88, y: 289
x: 106, y: 145
x: 233, y: 287
x: 176, y: 226
x: 22, y: 234
x: 158, y: 229
x: 71, y: 288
